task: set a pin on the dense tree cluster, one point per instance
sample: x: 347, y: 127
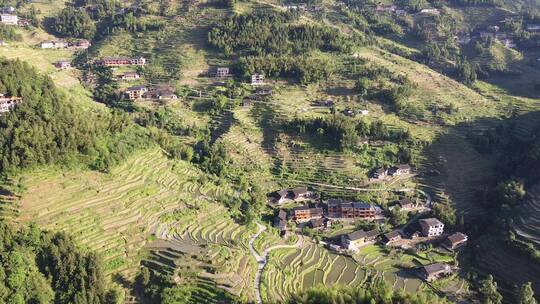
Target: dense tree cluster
x: 305, y: 68
x: 42, y: 267
x: 344, y: 132
x: 46, y: 129
x: 273, y: 33
x: 9, y: 33
x: 375, y: 293
x: 75, y: 23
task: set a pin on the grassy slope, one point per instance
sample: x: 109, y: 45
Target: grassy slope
x: 120, y: 232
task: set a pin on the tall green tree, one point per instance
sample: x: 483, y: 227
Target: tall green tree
x: 488, y: 291
x: 525, y: 294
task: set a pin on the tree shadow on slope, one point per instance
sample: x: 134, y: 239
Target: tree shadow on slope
x: 269, y: 121
x: 464, y: 164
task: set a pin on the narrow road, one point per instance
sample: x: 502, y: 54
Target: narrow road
x: 262, y: 259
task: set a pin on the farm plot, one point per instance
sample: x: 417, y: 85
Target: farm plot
x: 114, y: 213
x: 527, y: 222
x: 210, y: 246
x: 292, y: 270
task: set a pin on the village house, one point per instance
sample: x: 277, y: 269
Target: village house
x: 305, y: 213
x: 301, y: 193
x: 281, y: 196
x: 246, y: 102
x: 317, y: 223
x: 533, y: 27
x: 122, y: 61
x: 81, y: 44
x: 508, y: 43
x: 406, y: 204
x: 8, y: 103
x: 324, y: 103
x: 129, y: 76
x: 435, y: 271
x: 431, y: 11
x: 54, y: 44
x: 455, y: 240
x: 431, y: 227
x: 161, y: 93
x: 391, y: 237
x: 379, y: 174
x: 381, y: 8
x: 257, y: 79
x: 280, y: 222
x: 7, y: 10
x: 222, y: 72
x: 136, y: 92
x: 263, y: 92
x: 349, y: 210
x: 400, y: 170
x: 63, y: 64
x: 9, y: 19
x: 354, y: 240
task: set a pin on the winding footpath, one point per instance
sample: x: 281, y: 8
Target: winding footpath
x: 263, y: 259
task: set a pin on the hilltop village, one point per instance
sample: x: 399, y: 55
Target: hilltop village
x: 320, y: 219
x: 265, y: 151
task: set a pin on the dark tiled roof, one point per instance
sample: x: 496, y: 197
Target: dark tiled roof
x: 356, y: 235
x: 430, y: 221
x: 282, y: 214
x: 457, y: 237
x: 436, y: 268
x: 393, y: 234
x: 372, y: 233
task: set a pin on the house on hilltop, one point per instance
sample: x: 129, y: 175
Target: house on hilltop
x: 400, y: 170
x: 435, y: 271
x: 455, y: 241
x: 379, y: 174
x: 257, y: 79
x: 354, y: 240
x: 7, y: 103
x: 63, y: 64
x: 9, y: 19
x: 130, y: 76
x: 136, y: 92
x: 301, y: 193
x: 431, y: 227
x: 349, y: 210
x: 222, y: 72
x: 305, y: 213
x: 122, y: 61
x: 405, y: 204
x: 391, y: 237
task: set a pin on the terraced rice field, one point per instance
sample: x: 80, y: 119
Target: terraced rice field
x: 211, y: 244
x: 527, y: 222
x: 292, y: 270
x: 114, y: 213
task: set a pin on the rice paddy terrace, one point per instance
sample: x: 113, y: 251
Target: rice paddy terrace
x: 115, y: 213
x: 292, y: 270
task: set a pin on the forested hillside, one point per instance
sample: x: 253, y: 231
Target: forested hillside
x: 195, y: 151
x: 45, y: 267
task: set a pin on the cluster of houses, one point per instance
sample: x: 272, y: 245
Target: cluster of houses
x: 78, y: 44
x: 162, y: 92
x: 8, y: 102
x: 382, y: 173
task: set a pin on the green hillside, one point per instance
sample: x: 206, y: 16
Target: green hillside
x: 171, y: 189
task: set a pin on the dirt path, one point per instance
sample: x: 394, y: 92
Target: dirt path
x: 263, y: 259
